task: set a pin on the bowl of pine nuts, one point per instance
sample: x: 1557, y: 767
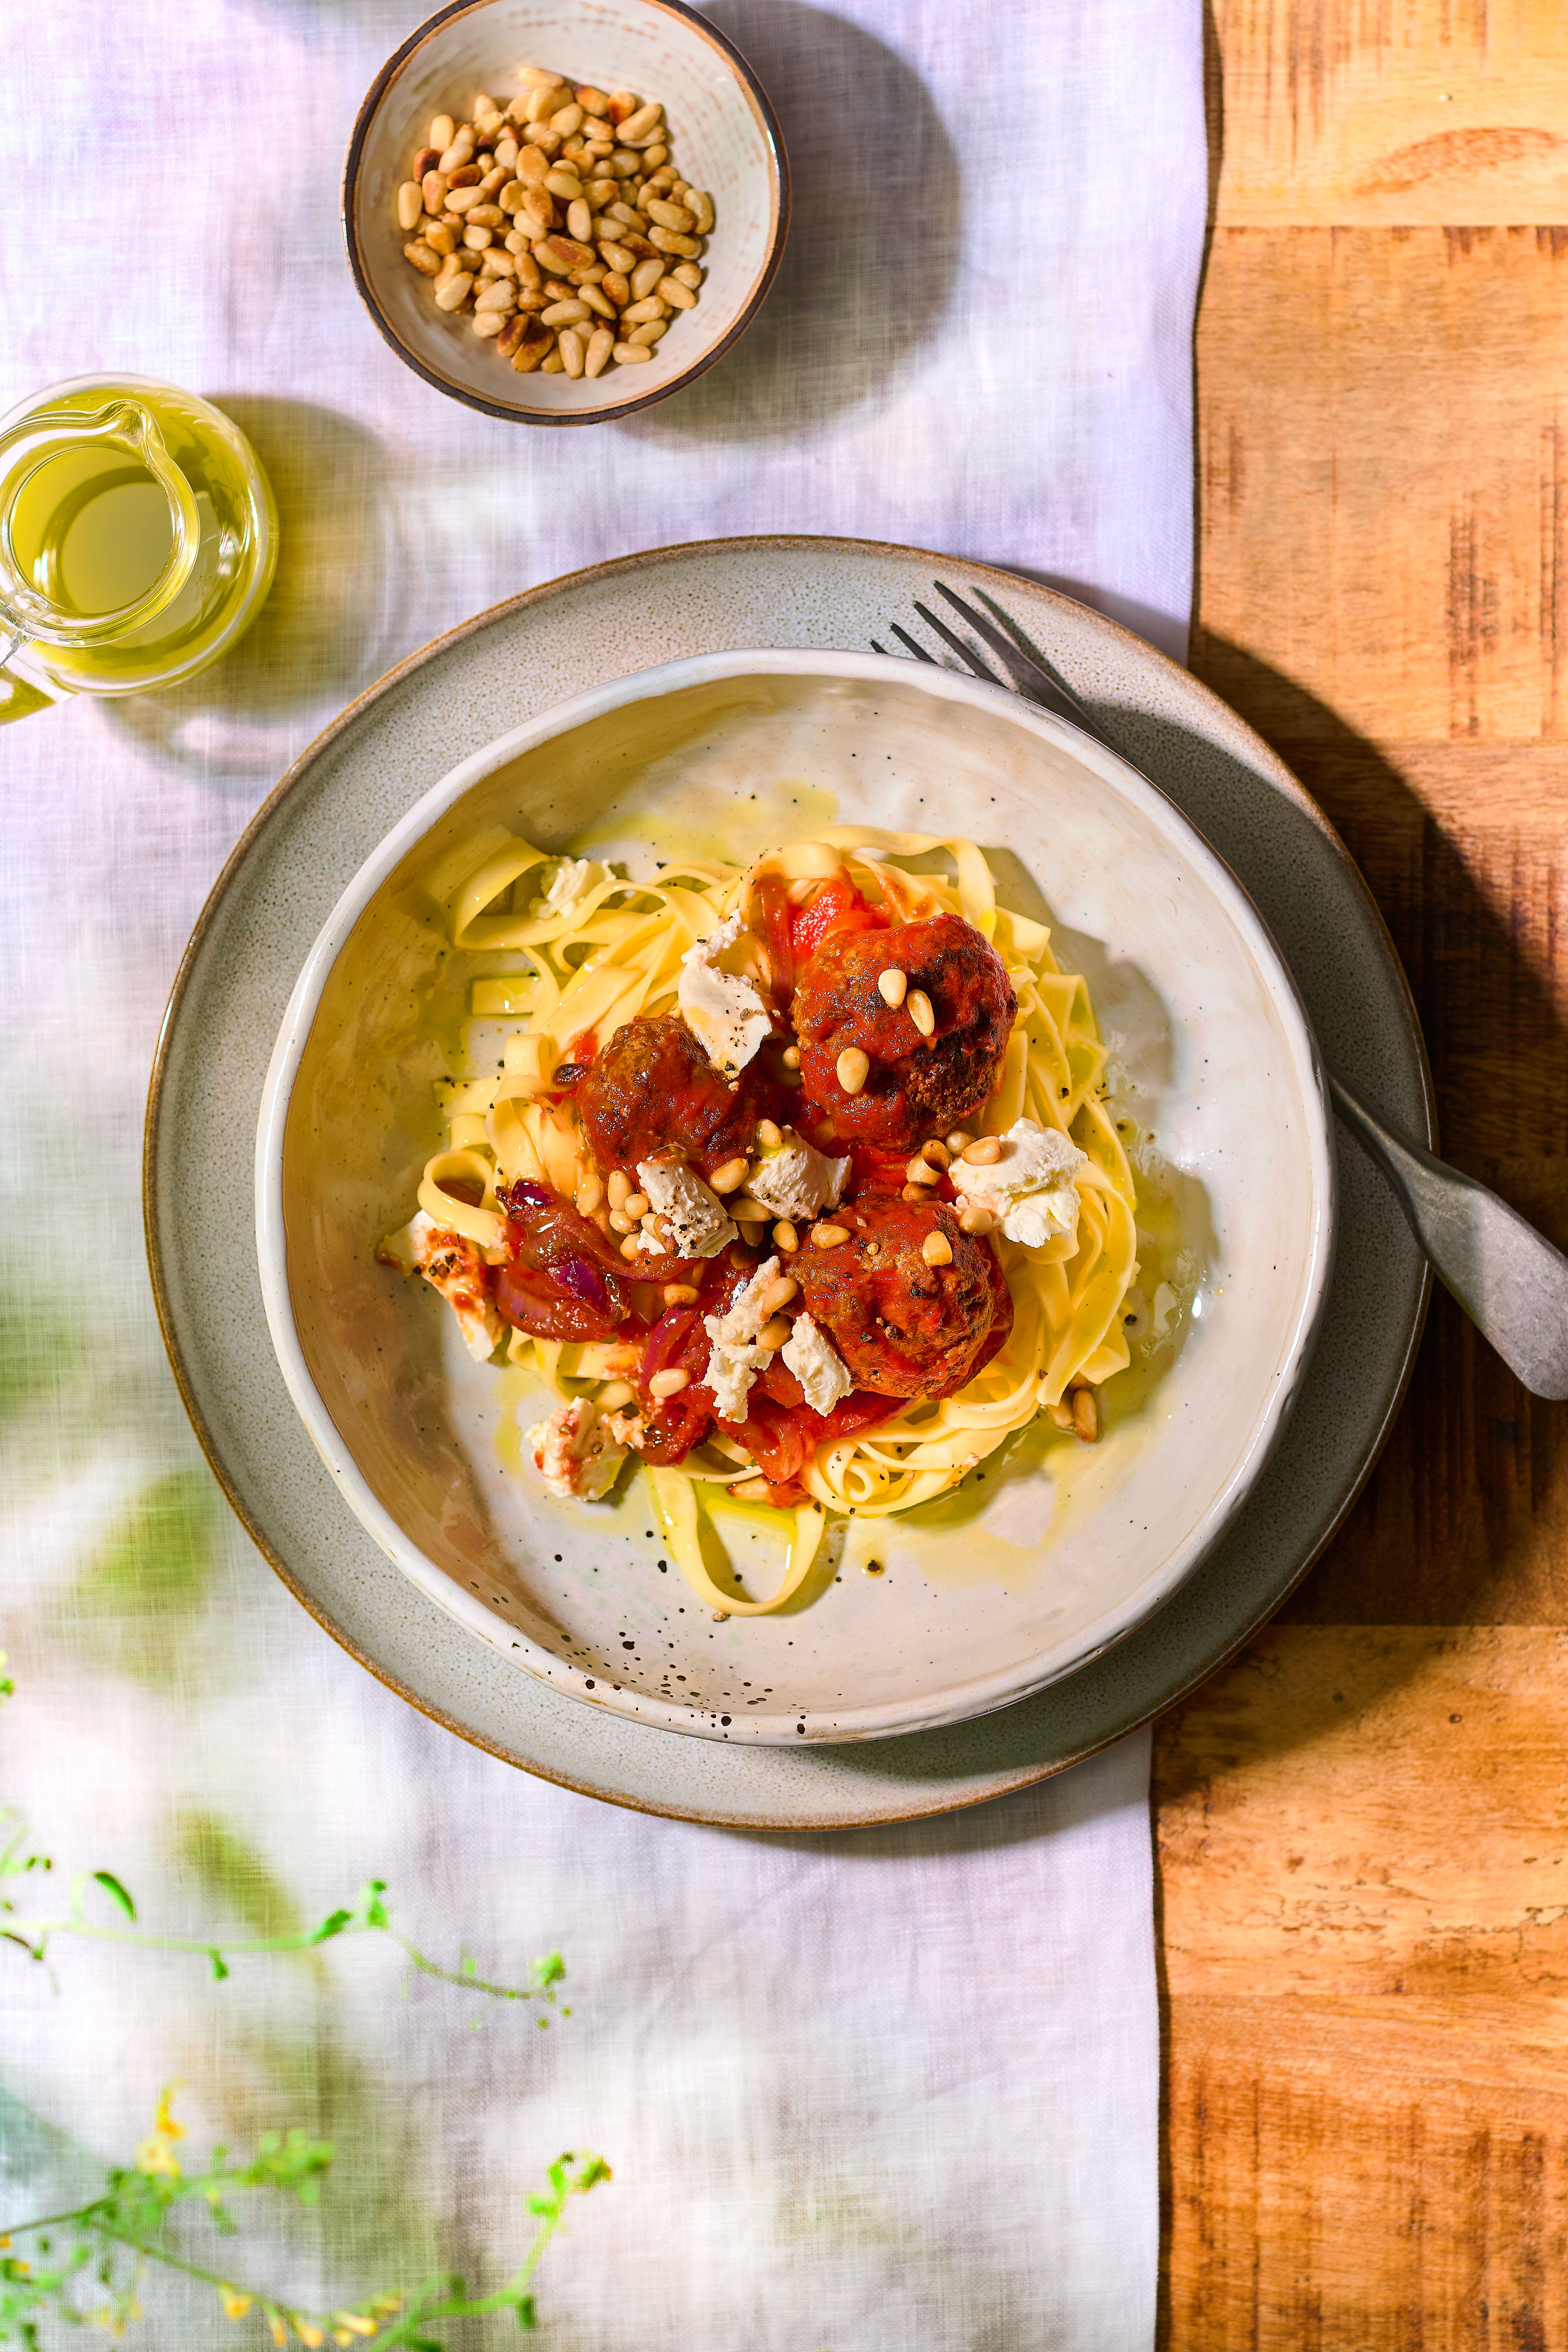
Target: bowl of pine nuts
x: 561, y: 214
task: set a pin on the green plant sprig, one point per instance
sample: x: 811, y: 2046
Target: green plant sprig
x: 111, y: 2239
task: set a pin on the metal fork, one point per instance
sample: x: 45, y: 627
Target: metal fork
x: 1510, y: 1280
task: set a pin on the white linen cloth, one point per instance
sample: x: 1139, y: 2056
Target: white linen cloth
x: 893, y: 2088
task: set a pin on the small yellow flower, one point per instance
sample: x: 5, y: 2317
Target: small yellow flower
x: 280, y: 2333
x: 165, y: 2126
x: 155, y: 2157
x: 308, y: 2334
x: 234, y: 2305
x: 355, y: 2322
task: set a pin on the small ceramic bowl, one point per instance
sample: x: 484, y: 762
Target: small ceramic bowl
x: 725, y: 139
x: 1053, y: 1551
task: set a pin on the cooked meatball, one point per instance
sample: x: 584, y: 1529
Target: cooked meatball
x: 916, y: 1086
x: 906, y: 1328
x: 652, y: 1086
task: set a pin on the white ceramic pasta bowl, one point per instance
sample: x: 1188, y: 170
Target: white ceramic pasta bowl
x: 1052, y: 1551
x: 726, y: 140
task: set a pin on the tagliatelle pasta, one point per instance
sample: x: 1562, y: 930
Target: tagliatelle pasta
x: 579, y: 953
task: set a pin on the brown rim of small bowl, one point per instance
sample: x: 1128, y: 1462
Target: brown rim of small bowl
x: 779, y: 232
x: 1021, y: 1778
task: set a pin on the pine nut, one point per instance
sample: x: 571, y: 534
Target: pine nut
x: 561, y: 152
x: 590, y: 1193
x: 912, y: 1192
x: 619, y: 1188
x: 536, y: 346
x: 747, y: 1212
x: 891, y: 984
x: 638, y: 1206
x: 730, y: 1177
x: 786, y: 1237
x: 920, y: 1171
x: 937, y: 1153
x: 984, y: 1152
x: 854, y: 1067
x: 937, y: 1250
x: 959, y: 1139
x: 632, y: 1247
x: 453, y: 292
x: 776, y: 1332
x: 500, y: 296
x: 790, y: 1057
x: 1086, y: 1416
x: 779, y: 1292
x: 670, y: 1383
x: 975, y: 1219
x: 681, y: 1293
x: 918, y: 1007
x: 769, y: 1134
x: 830, y: 1236
x: 1061, y: 1414
x: 620, y: 1222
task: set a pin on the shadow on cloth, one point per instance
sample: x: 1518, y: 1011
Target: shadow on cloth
x: 323, y: 631
x: 873, y: 243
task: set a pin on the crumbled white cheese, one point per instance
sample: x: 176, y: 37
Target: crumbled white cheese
x: 685, y: 1216
x: 817, y: 1365
x: 723, y: 1012
x: 1030, y: 1189
x: 795, y: 1180
x: 575, y: 1454
x: 736, y: 1358
x: 570, y: 879
x: 453, y: 1265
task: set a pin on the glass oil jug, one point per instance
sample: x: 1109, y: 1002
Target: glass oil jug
x: 138, y: 539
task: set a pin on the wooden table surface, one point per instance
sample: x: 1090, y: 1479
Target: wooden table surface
x: 1364, y: 1822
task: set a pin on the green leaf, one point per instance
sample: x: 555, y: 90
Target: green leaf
x: 220, y: 1966
x: 333, y: 1925
x: 233, y: 1872
x: 107, y: 1881
x: 134, y: 1603
x: 526, y: 2317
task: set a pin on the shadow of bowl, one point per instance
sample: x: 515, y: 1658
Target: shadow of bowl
x: 874, y: 233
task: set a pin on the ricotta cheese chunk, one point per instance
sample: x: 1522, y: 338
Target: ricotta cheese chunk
x: 822, y: 1372
x: 796, y: 1180
x: 1031, y: 1190
x: 736, y: 1358
x: 725, y: 1013
x: 570, y: 879
x: 686, y: 1217
x: 575, y: 1453
x: 455, y: 1267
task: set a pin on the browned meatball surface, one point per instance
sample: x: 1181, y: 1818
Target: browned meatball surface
x: 652, y: 1086
x: 906, y: 1328
x: 916, y: 1086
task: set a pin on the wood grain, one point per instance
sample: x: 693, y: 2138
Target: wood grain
x: 1391, y: 112
x: 1364, y: 1822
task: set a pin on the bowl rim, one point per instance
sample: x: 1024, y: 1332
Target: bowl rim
x: 778, y: 231
x: 982, y: 1693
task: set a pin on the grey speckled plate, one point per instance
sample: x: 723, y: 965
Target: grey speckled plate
x: 328, y: 815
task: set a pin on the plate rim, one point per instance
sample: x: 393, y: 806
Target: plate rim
x: 929, y: 1804
x: 984, y: 1695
